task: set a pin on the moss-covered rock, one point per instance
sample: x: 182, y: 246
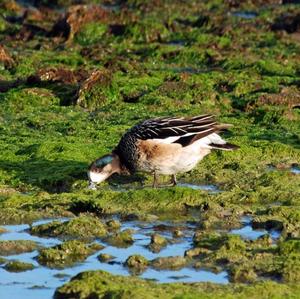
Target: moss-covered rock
x: 113, y: 224
x: 105, y: 257
x: 2, y: 260
x: 82, y: 227
x: 120, y: 239
x: 157, y: 243
x: 17, y: 246
x: 103, y: 284
x: 170, y: 262
x: 136, y: 263
x: 17, y: 266
x: 66, y: 254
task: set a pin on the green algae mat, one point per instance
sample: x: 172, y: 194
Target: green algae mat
x: 74, y: 75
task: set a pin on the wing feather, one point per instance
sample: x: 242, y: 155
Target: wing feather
x: 167, y: 128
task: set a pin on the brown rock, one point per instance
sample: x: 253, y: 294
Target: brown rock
x: 5, y: 58
x: 75, y: 17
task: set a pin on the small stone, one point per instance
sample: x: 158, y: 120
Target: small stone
x: 195, y: 252
x: 113, y: 224
x: 2, y: 230
x: 157, y: 243
x: 177, y: 233
x: 104, y: 257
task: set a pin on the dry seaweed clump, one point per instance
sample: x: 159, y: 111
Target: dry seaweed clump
x: 66, y: 254
x: 16, y: 247
x: 82, y: 227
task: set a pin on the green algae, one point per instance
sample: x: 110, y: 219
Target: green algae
x: 17, y: 247
x: 104, y: 257
x: 136, y: 263
x: 113, y: 224
x: 186, y: 60
x: 66, y: 254
x: 82, y: 227
x: 104, y: 284
x: 157, y: 243
x: 169, y: 262
x: 120, y: 239
x: 17, y: 266
x: 90, y: 34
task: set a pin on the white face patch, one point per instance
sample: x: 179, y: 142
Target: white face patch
x: 96, y: 177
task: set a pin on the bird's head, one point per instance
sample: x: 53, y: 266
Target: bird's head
x: 102, y: 168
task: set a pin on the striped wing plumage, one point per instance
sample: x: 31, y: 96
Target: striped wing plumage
x: 173, y: 129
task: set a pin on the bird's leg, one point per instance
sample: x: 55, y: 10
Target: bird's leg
x: 154, y: 180
x: 174, y: 180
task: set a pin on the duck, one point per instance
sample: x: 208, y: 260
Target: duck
x: 162, y: 146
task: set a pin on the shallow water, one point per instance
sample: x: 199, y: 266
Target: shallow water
x: 244, y: 14
x: 205, y: 187
x: 41, y: 282
x: 211, y: 188
x: 295, y: 170
x: 292, y: 169
x: 247, y: 232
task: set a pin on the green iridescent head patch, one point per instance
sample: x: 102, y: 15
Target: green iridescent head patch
x: 103, y: 161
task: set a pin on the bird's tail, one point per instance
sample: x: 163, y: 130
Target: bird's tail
x: 224, y: 147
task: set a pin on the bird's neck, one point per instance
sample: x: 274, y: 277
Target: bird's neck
x: 118, y: 166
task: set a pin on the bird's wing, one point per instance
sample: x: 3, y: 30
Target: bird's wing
x: 174, y: 129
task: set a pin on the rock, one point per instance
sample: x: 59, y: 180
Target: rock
x: 104, y: 257
x: 59, y: 74
x: 91, y: 94
x: 242, y: 275
x: 120, y: 239
x: 195, y: 252
x: 66, y: 254
x: 157, y: 242
x: 82, y: 227
x: 17, y: 266
x: 136, y: 263
x: 5, y: 58
x: 177, y: 233
x: 171, y: 263
x: 290, y: 22
x: 16, y: 247
x: 75, y: 17
x: 113, y: 224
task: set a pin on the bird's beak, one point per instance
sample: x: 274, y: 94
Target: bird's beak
x: 92, y: 186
